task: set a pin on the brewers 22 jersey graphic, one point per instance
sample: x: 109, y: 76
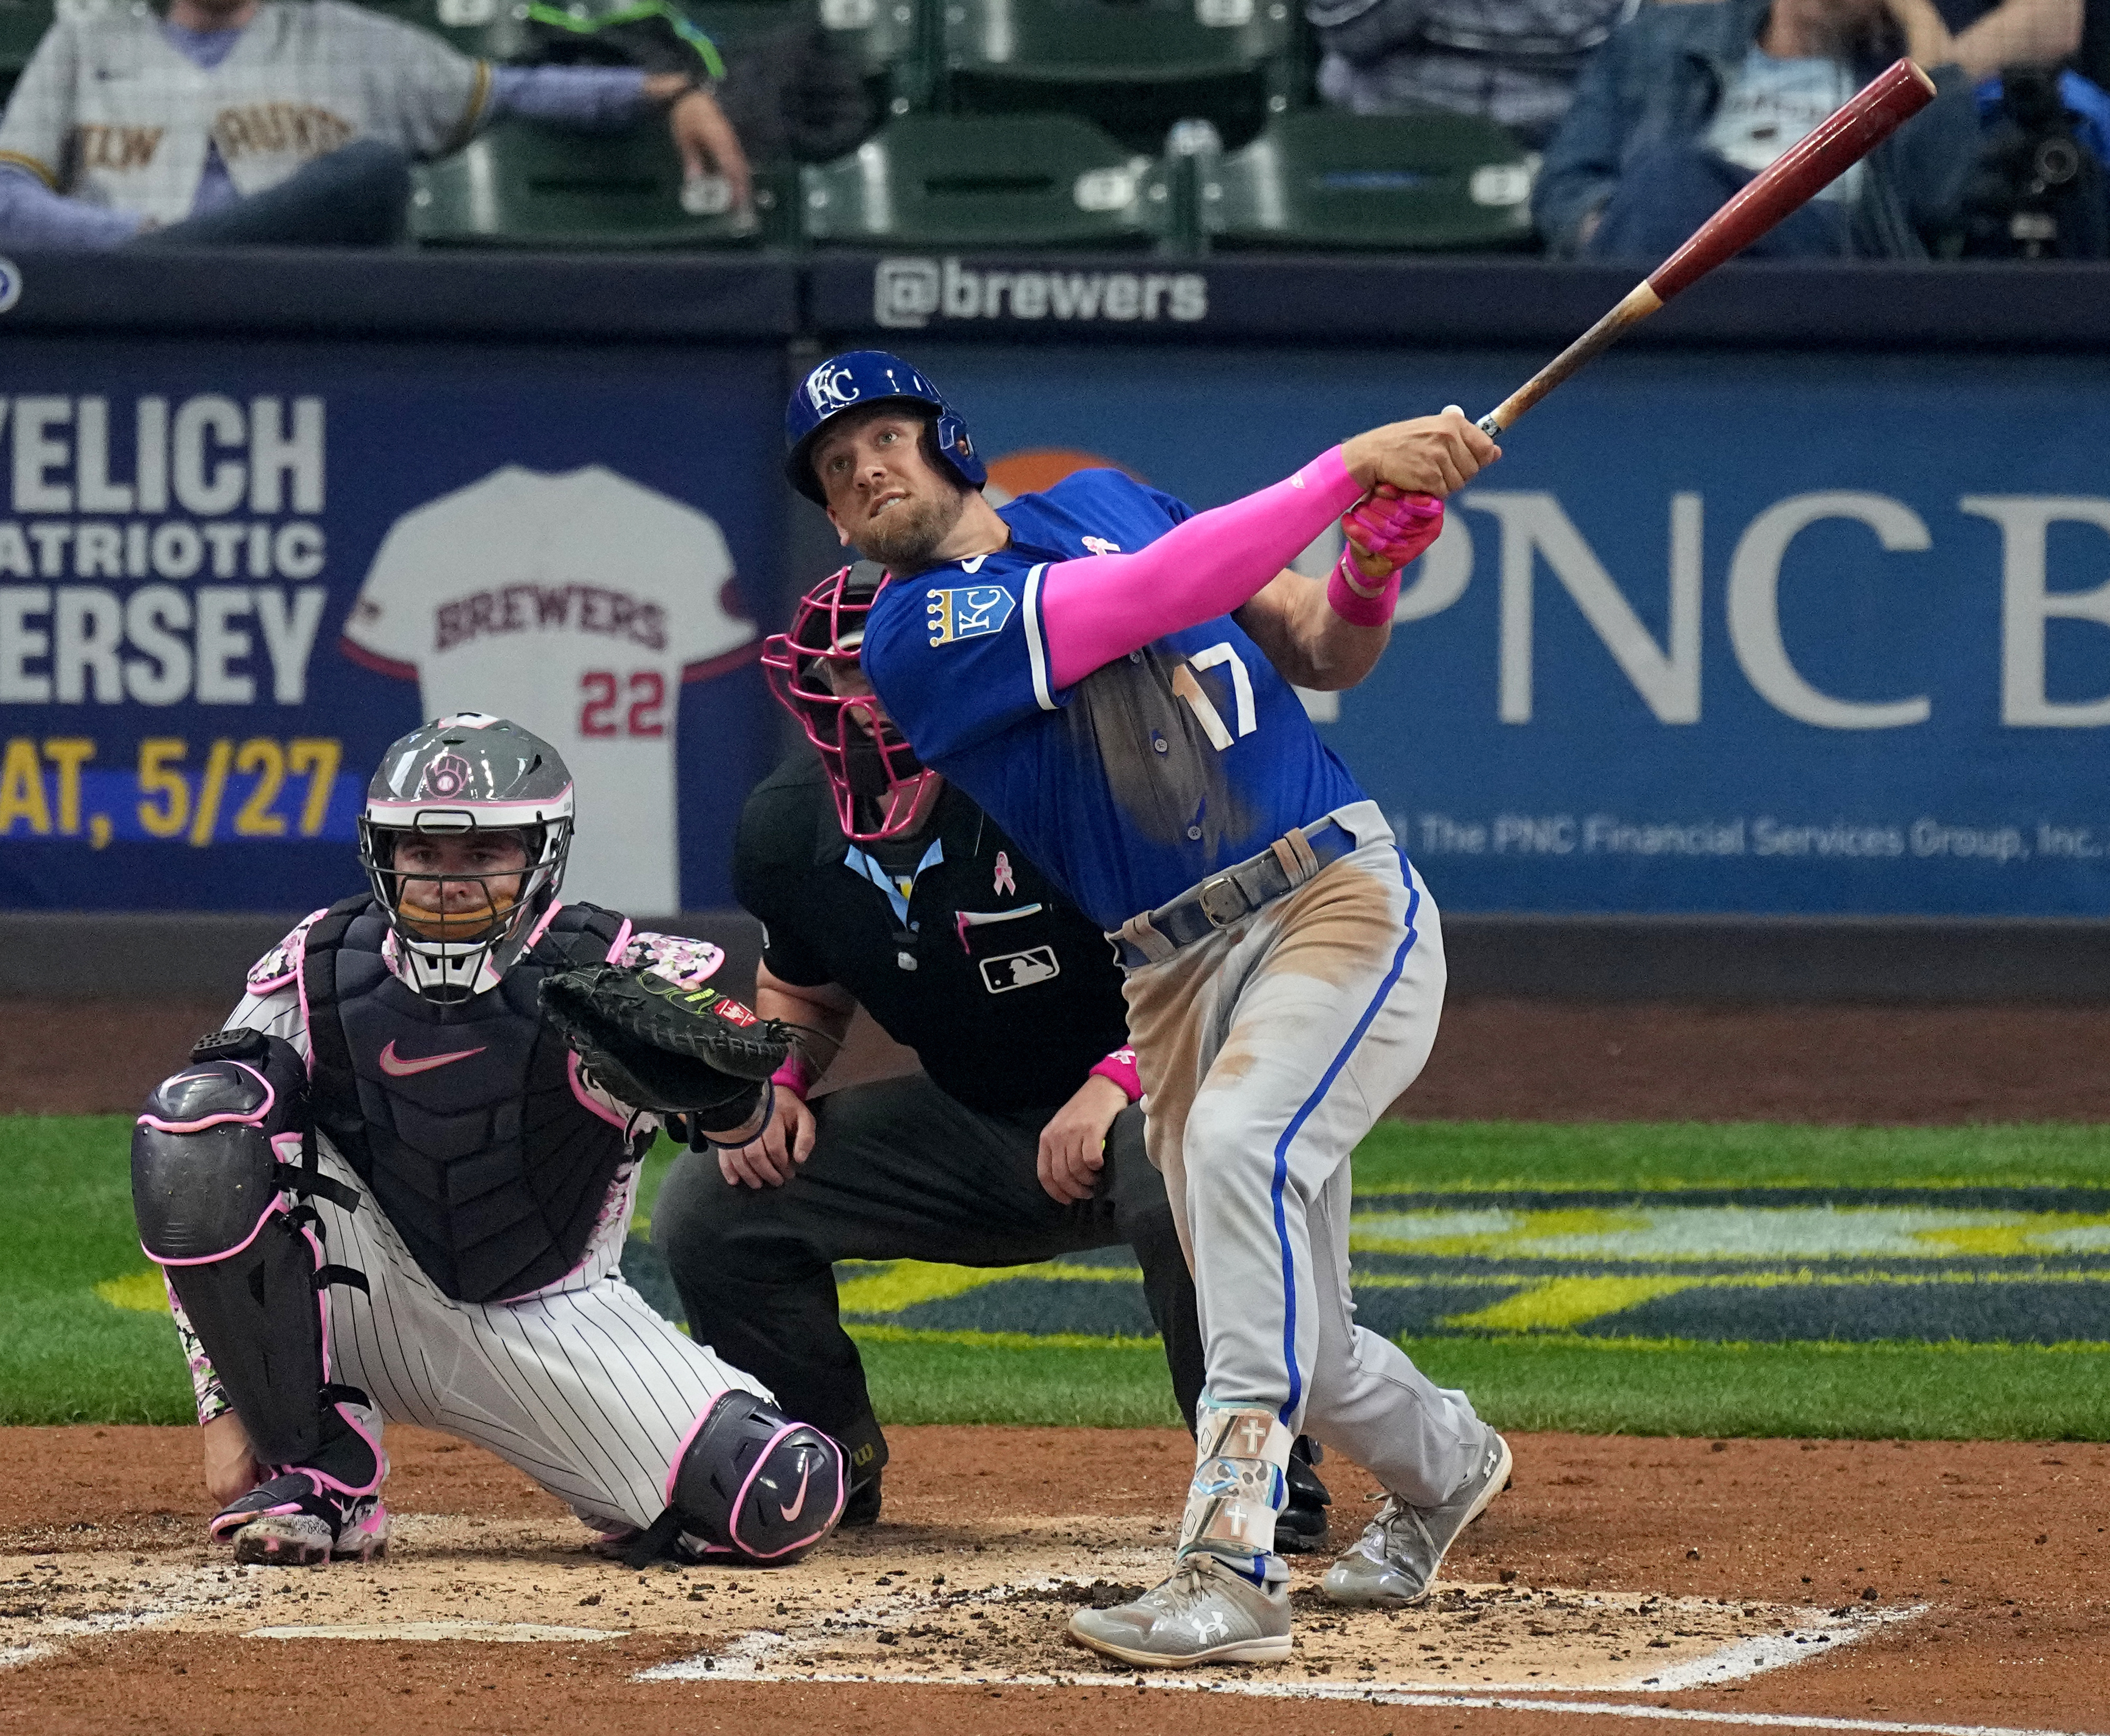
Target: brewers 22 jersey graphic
x: 577, y: 604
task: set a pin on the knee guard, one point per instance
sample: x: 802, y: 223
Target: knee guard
x: 210, y: 1174
x: 752, y: 1482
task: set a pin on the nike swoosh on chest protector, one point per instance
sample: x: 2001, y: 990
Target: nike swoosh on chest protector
x: 398, y: 1067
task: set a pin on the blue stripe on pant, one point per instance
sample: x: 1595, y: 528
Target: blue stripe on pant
x: 1282, y: 1145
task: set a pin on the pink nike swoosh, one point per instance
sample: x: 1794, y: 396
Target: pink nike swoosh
x: 397, y: 1068
x: 799, y: 1505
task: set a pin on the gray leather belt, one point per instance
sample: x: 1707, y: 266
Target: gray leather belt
x: 1226, y: 899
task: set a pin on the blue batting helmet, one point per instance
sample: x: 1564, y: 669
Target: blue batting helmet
x: 854, y: 381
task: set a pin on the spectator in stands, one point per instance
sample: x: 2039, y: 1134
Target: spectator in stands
x: 1686, y: 102
x: 252, y: 121
x: 1513, y: 61
x: 1989, y: 34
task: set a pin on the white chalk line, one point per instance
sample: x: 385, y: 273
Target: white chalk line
x: 1363, y: 1694
x: 195, y: 1589
x: 1743, y: 1658
x: 1383, y: 1696
x: 489, y: 1633
x: 758, y: 1656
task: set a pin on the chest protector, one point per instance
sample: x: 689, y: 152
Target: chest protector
x: 464, y: 1120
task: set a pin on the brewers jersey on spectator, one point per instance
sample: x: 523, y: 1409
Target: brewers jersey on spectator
x: 579, y: 603
x: 109, y: 112
x: 1155, y: 770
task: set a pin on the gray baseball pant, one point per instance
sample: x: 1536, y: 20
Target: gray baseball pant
x: 1267, y: 1050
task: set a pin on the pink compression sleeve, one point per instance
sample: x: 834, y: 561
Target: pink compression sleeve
x: 1105, y: 606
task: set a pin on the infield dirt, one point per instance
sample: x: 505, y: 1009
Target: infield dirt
x: 1988, y: 1559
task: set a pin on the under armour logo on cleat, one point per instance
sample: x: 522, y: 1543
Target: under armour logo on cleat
x: 1211, y: 1626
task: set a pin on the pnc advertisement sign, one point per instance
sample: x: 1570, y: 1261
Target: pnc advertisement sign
x: 1720, y: 633
x: 226, y: 585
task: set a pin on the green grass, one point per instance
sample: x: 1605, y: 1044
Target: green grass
x: 67, y: 1356
x: 1847, y: 1391
x: 1450, y: 1155
x: 916, y: 1380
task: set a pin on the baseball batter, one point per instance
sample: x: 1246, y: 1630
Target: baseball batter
x: 390, y: 1190
x: 1109, y: 674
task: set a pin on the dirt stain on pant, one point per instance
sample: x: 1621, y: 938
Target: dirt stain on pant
x: 1337, y: 930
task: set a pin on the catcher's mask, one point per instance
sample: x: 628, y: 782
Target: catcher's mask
x: 475, y: 786
x: 882, y: 789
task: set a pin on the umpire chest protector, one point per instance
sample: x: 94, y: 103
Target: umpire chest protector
x: 467, y: 1121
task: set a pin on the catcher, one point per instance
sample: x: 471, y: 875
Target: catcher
x: 397, y: 1186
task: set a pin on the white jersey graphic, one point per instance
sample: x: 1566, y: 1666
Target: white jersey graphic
x: 575, y: 605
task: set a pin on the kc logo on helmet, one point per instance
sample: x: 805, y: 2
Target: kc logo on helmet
x: 829, y: 387
x: 968, y: 612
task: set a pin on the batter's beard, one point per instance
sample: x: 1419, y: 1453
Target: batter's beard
x: 906, y: 538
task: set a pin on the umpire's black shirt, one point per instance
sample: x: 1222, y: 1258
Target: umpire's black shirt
x: 1008, y: 995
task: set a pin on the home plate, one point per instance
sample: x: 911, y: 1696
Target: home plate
x: 999, y: 1614
x: 982, y: 1601
x: 519, y: 1633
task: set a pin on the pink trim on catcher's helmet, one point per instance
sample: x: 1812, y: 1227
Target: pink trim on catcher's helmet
x: 880, y: 788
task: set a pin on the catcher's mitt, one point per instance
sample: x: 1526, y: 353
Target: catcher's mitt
x: 659, y: 1047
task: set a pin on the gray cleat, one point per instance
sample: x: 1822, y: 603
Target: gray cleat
x: 1208, y: 1612
x: 1393, y: 1563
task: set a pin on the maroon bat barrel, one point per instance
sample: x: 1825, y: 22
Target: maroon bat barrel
x: 1889, y: 100
x: 1868, y: 117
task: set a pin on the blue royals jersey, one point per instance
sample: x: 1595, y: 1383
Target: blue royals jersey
x: 1149, y: 774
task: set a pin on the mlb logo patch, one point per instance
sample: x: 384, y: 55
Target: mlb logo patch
x: 1012, y: 971
x: 968, y: 612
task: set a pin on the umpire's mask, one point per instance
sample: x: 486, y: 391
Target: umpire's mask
x: 882, y: 789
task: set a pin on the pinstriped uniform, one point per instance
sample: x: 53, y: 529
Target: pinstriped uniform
x: 581, y: 1385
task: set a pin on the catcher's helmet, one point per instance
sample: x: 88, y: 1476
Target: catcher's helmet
x: 880, y: 788
x: 856, y: 380
x: 456, y: 934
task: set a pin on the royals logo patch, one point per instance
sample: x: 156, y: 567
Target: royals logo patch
x: 968, y: 612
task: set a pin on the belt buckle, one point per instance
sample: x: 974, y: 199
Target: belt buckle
x: 1223, y: 901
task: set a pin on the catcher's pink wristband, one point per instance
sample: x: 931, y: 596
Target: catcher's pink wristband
x: 1119, y: 1067
x: 1355, y: 600
x: 1105, y: 606
x: 794, y: 1075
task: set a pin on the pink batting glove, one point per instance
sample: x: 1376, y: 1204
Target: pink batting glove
x: 1392, y: 527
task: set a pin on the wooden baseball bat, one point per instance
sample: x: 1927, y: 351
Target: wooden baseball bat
x: 1892, y: 98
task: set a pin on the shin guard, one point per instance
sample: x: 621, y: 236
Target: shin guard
x: 1241, y: 1465
x: 209, y: 1189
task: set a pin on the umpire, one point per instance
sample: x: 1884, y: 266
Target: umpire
x: 879, y: 885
